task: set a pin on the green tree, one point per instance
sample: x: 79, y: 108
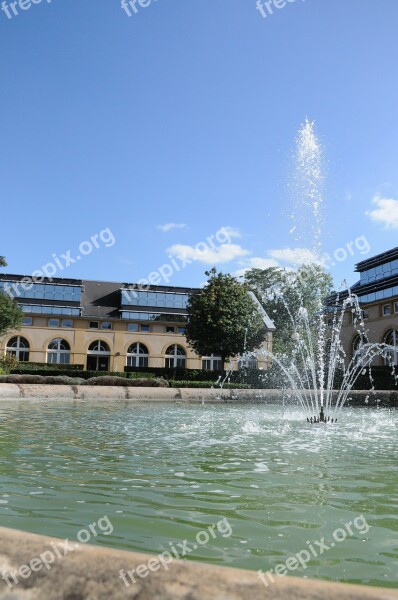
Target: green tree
x: 10, y: 313
x: 222, y: 318
x: 283, y: 294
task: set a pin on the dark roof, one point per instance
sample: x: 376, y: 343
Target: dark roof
x: 100, y: 299
x: 375, y: 261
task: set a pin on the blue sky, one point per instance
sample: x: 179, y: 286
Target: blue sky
x: 186, y: 113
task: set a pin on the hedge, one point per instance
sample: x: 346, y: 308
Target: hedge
x: 208, y: 385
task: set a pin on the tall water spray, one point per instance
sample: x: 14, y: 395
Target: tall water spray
x: 311, y: 370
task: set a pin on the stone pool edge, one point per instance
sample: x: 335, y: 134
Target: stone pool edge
x: 24, y: 391
x: 93, y: 572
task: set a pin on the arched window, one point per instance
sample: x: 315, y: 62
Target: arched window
x: 58, y: 352
x: 175, y: 357
x: 99, y: 347
x: 392, y: 340
x: 98, y: 356
x: 137, y: 356
x: 212, y: 363
x: 18, y: 347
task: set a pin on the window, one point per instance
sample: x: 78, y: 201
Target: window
x: 132, y: 327
x: 53, y: 322
x: 38, y: 309
x: 386, y: 310
x: 93, y: 325
x: 365, y: 314
x: 137, y: 356
x: 67, y: 323
x: 170, y: 329
x: 160, y: 299
x: 26, y: 321
x: 58, y: 352
x: 98, y: 347
x: 161, y: 317
x: 145, y: 328
x: 106, y: 325
x: 212, y: 363
x: 392, y: 340
x: 42, y: 291
x: 18, y: 347
x: 175, y: 357
x: 395, y: 307
x: 181, y: 330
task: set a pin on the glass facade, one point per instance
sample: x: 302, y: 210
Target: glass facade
x: 380, y: 295
x: 143, y: 316
x: 160, y: 299
x: 38, y: 309
x: 42, y: 291
x: 380, y: 272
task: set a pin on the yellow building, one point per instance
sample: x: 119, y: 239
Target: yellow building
x: 103, y: 326
x: 377, y: 291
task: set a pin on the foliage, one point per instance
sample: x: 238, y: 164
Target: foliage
x: 208, y: 385
x: 8, y: 363
x: 125, y: 382
x: 282, y: 292
x: 3, y: 262
x: 222, y: 318
x: 47, y: 367
x: 10, y: 314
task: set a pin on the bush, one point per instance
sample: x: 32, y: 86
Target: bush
x: 38, y: 379
x: 208, y: 385
x: 125, y: 382
x: 59, y: 372
x: 33, y: 366
x: 8, y: 363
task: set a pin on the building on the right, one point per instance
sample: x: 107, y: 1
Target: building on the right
x: 377, y: 291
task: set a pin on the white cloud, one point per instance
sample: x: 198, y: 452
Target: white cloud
x: 255, y: 262
x: 294, y: 256
x: 385, y: 213
x: 231, y: 232
x: 169, y: 226
x: 205, y: 254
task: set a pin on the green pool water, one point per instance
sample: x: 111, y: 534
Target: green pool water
x: 164, y: 473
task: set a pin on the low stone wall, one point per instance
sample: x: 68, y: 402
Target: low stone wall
x: 27, y: 391
x: 93, y: 573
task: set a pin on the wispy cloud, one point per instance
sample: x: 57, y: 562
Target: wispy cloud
x: 287, y: 258
x: 231, y: 232
x: 294, y: 256
x: 170, y: 226
x: 386, y: 212
x: 208, y: 256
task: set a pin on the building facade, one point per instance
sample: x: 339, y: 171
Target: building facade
x: 103, y: 326
x: 377, y: 291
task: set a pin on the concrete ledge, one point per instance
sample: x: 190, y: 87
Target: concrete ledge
x: 30, y: 391
x: 92, y: 573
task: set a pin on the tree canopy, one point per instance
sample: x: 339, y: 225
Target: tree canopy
x: 283, y: 293
x: 222, y: 319
x: 10, y: 313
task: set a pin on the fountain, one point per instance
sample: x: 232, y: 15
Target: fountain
x: 319, y: 356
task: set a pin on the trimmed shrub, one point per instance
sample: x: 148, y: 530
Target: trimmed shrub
x: 34, y: 366
x: 208, y: 385
x: 125, y: 382
x: 38, y: 379
x: 63, y: 380
x: 56, y: 372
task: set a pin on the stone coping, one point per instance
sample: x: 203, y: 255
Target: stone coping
x: 27, y: 391
x: 93, y: 573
